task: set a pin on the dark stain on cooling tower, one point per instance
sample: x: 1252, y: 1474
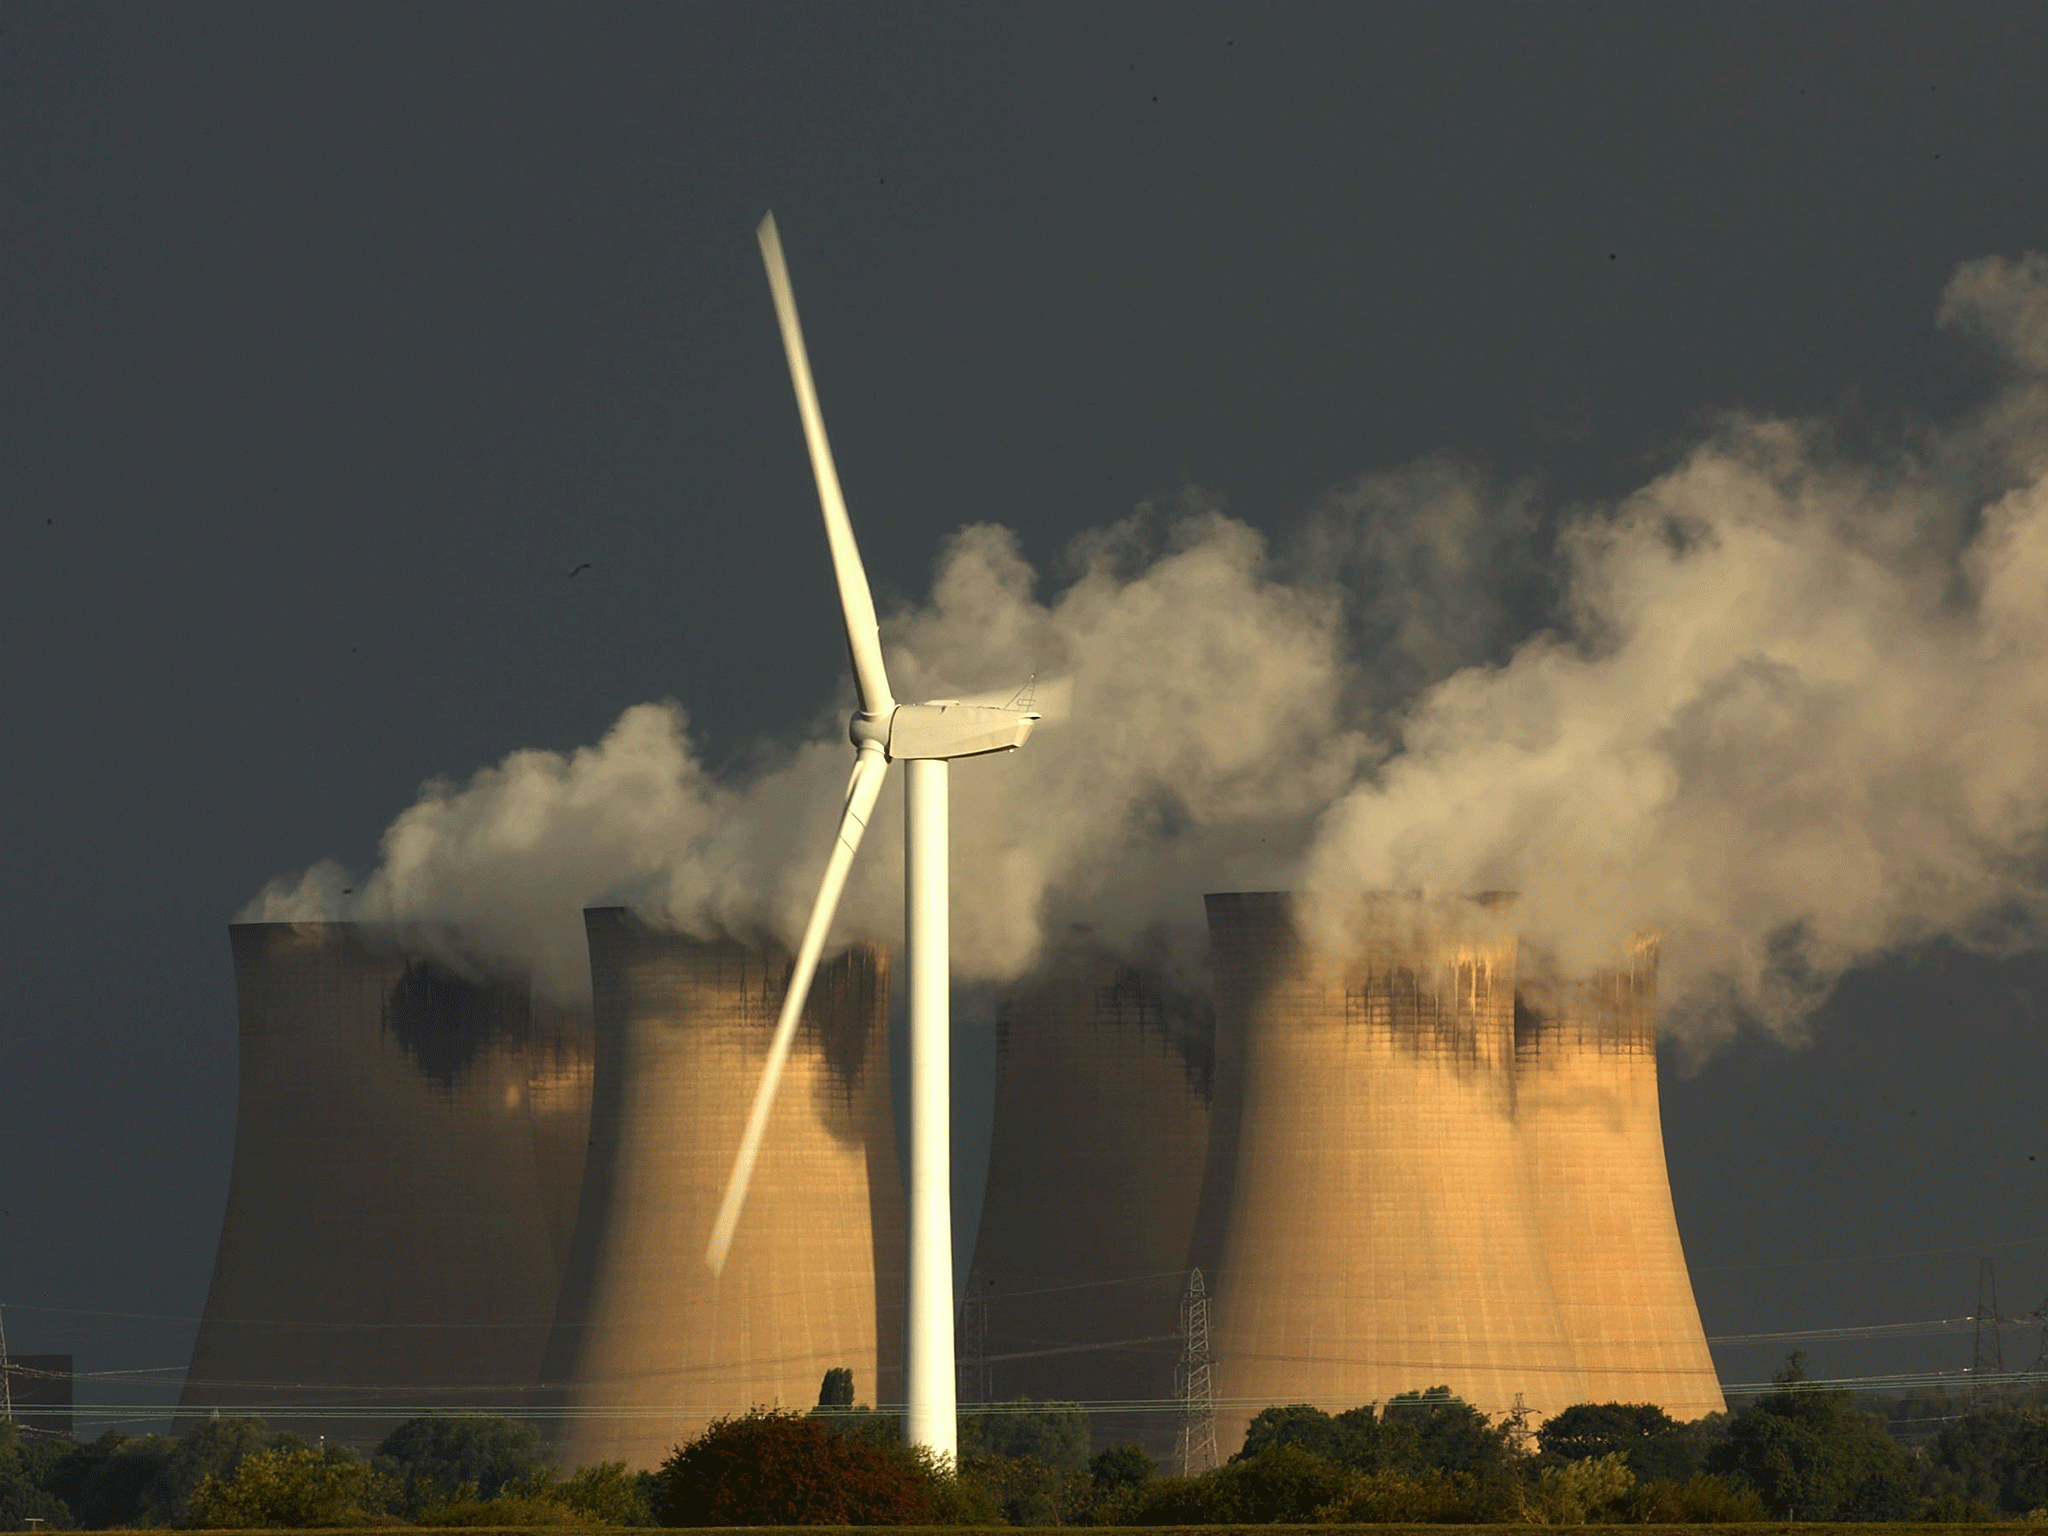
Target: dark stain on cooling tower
x: 1443, y: 1022
x: 1613, y: 1009
x: 848, y: 1002
x: 446, y: 1022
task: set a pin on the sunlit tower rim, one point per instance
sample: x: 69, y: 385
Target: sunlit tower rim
x: 926, y: 737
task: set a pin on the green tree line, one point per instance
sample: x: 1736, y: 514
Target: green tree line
x: 234, y: 1473
x: 1800, y: 1452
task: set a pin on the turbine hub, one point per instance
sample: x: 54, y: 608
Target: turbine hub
x: 869, y: 730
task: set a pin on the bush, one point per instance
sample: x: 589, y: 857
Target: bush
x: 1027, y: 1491
x: 450, y: 1451
x: 23, y: 1471
x: 1954, y: 1509
x: 1449, y: 1435
x: 1390, y: 1498
x: 609, y: 1493
x: 1703, y: 1499
x: 774, y: 1467
x: 1053, y: 1433
x: 1656, y: 1445
x: 1996, y: 1458
x: 1577, y: 1491
x: 283, y: 1487
x: 1281, y: 1483
x: 1811, y: 1455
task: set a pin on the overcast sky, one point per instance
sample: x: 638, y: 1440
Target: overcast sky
x: 335, y: 338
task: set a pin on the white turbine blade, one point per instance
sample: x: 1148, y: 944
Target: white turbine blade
x: 863, y: 641
x: 868, y: 772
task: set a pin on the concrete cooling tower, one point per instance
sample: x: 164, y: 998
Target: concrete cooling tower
x: 1090, y: 1220
x: 1383, y: 1233
x: 649, y: 1345
x: 408, y: 1151
x: 1586, y: 1086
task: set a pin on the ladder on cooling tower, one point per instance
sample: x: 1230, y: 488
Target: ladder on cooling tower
x: 1196, y: 1450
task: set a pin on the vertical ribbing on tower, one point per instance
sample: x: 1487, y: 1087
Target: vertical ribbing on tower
x: 1197, y: 1447
x: 1985, y: 1356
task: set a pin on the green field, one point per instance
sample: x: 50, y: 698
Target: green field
x: 1761, y: 1528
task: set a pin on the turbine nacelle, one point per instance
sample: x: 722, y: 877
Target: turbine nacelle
x: 946, y: 728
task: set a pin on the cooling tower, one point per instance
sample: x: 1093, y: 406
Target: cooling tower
x: 1586, y: 1083
x: 1090, y: 1219
x: 1383, y: 1235
x: 408, y: 1151
x: 649, y: 1344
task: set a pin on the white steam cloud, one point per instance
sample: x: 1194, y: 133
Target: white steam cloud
x: 1792, y: 712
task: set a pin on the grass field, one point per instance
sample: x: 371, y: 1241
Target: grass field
x: 1759, y: 1528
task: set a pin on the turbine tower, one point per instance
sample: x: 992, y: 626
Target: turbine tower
x: 925, y: 738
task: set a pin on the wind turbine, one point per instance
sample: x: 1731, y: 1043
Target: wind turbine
x: 924, y: 738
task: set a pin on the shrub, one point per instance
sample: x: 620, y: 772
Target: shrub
x: 1996, y: 1457
x: 1579, y: 1491
x: 1027, y: 1491
x: 449, y: 1451
x: 774, y: 1467
x: 1281, y: 1483
x: 1954, y: 1509
x: 1812, y: 1456
x: 1702, y: 1499
x: 607, y: 1492
x: 289, y: 1486
x: 1390, y: 1498
x: 1054, y: 1433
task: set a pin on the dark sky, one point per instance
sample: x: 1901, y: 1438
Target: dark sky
x: 335, y: 337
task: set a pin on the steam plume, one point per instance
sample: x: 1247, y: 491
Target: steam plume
x: 1792, y: 712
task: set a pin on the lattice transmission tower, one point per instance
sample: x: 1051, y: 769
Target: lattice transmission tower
x: 1986, y: 1358
x: 2040, y: 1365
x: 6, y: 1373
x: 1197, y: 1447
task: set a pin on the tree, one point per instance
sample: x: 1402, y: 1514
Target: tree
x: 775, y: 1467
x: 287, y: 1486
x: 1654, y: 1444
x: 1027, y: 1491
x: 1811, y: 1455
x: 1450, y: 1434
x: 1573, y: 1492
x: 110, y: 1481
x: 1121, y: 1466
x: 609, y: 1492
x: 211, y: 1448
x: 837, y: 1390
x: 447, y: 1451
x: 1054, y: 1433
x: 1297, y: 1424
x: 22, y: 1495
x: 1426, y: 1432
x: 1281, y: 1483
x: 1997, y: 1458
